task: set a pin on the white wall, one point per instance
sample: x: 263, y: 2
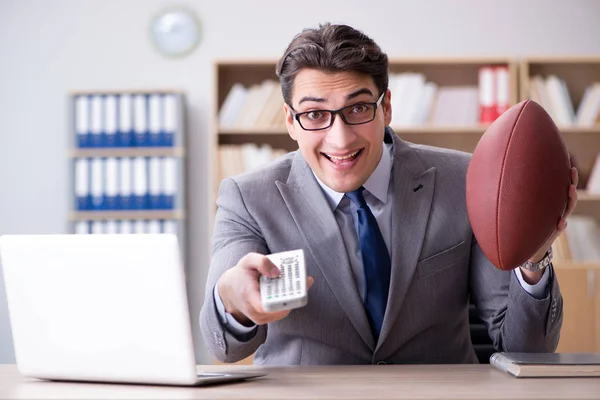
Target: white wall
x: 49, y: 47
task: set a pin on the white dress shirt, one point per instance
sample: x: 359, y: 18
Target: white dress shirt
x: 378, y: 194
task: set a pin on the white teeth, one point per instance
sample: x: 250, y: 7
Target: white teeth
x: 344, y: 157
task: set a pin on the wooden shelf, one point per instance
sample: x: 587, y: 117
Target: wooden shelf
x: 122, y: 91
x: 567, y: 130
x: 552, y: 59
x: 570, y: 264
x: 271, y: 62
x: 583, y: 195
x: 253, y: 131
x: 425, y: 129
x: 128, y: 152
x: 127, y: 214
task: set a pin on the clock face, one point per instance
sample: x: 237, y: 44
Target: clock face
x: 175, y: 32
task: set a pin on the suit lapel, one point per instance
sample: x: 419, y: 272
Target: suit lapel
x: 319, y: 229
x: 413, y: 188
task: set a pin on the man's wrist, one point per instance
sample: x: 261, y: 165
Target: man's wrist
x: 531, y: 277
x: 231, y: 309
x: 533, y: 269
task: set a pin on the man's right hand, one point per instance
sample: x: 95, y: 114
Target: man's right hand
x: 240, y: 292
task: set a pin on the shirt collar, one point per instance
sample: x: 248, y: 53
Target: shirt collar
x: 377, y: 184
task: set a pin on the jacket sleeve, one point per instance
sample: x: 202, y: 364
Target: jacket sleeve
x: 235, y: 235
x: 516, y: 320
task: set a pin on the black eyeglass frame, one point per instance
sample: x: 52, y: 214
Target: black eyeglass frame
x: 333, y: 113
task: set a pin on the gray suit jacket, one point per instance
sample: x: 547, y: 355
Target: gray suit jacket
x: 436, y: 265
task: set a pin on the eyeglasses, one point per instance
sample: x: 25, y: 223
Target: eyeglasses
x: 356, y: 114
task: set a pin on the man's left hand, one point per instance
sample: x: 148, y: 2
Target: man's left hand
x: 534, y: 277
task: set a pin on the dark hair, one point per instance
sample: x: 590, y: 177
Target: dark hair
x: 332, y: 48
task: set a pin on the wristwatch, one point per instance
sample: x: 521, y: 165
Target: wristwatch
x: 538, y: 266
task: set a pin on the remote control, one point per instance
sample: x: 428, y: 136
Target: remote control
x: 288, y: 291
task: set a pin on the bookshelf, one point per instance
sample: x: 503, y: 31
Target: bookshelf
x: 577, y: 75
x: 566, y: 87
x: 127, y: 162
x: 582, y: 140
x: 452, y: 73
x: 580, y: 288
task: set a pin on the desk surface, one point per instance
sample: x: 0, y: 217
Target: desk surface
x: 340, y: 382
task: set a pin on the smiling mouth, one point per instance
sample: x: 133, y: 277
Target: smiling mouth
x: 343, y: 159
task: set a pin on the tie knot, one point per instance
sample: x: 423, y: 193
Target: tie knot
x: 357, y: 197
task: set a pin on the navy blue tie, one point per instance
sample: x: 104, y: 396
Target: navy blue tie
x: 376, y: 262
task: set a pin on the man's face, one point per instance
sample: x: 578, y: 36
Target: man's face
x: 342, y: 156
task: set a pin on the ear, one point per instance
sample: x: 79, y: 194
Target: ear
x: 289, y: 121
x: 386, y: 104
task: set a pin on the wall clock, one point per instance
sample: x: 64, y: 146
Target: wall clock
x: 175, y: 32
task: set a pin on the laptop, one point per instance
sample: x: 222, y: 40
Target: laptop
x: 102, y: 308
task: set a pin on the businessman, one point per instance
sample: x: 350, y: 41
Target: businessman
x: 391, y: 257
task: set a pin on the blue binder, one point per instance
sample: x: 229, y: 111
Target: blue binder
x: 82, y: 184
x: 111, y: 170
x: 125, y: 127
x: 82, y: 227
x: 125, y: 196
x: 140, y: 183
x: 98, y: 194
x: 140, y: 120
x: 110, y: 121
x: 155, y: 182
x: 82, y: 121
x: 97, y: 135
x: 169, y: 120
x: 169, y: 226
x: 155, y: 106
x: 169, y: 183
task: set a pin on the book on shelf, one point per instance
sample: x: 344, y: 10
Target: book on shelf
x: 416, y: 101
x: 236, y: 159
x: 552, y: 93
x: 256, y: 106
x: 580, y: 241
x: 593, y: 184
x: 493, y: 92
x: 540, y: 365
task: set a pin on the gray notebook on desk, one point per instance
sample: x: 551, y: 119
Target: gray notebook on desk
x: 547, y: 364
